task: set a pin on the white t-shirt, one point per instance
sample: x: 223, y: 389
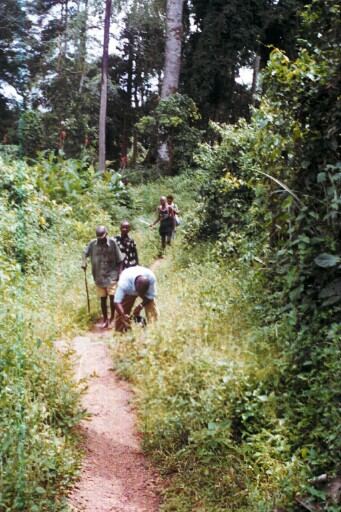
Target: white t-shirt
x: 126, y: 283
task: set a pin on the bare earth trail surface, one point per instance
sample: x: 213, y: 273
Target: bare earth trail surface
x: 115, y: 476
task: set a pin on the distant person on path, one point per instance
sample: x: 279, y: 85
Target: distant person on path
x: 166, y: 218
x: 106, y: 265
x: 127, y: 246
x: 170, y: 202
x: 135, y: 282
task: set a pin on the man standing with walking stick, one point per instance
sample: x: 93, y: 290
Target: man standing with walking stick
x: 106, y: 265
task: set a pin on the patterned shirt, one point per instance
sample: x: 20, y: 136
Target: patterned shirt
x: 105, y: 259
x: 128, y: 248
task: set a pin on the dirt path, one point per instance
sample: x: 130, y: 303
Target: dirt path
x: 115, y: 476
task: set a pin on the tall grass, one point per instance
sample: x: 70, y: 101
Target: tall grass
x: 200, y: 373
x: 43, y: 300
x: 215, y: 427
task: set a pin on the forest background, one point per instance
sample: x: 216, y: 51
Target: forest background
x: 239, y: 383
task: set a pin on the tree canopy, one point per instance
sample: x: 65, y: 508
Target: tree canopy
x: 46, y: 52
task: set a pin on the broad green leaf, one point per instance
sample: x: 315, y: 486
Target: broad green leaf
x: 325, y: 260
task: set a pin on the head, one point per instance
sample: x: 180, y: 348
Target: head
x: 163, y: 200
x: 170, y: 199
x: 141, y: 285
x: 125, y: 228
x: 101, y: 234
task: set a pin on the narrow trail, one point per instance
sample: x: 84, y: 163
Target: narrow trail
x: 115, y: 476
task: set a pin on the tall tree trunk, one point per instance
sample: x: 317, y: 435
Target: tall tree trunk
x: 104, y: 87
x: 82, y: 53
x: 173, y: 48
x: 256, y: 66
x: 134, y: 148
x: 172, y: 64
x: 127, y: 112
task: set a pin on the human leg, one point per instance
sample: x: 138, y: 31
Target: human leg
x: 111, y: 292
x: 112, y: 308
x: 163, y: 246
x: 104, y: 308
x: 152, y: 311
x: 103, y: 293
x: 169, y: 235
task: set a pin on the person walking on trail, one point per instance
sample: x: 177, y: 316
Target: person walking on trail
x: 170, y: 202
x: 106, y: 265
x: 127, y: 246
x: 135, y: 282
x: 166, y: 218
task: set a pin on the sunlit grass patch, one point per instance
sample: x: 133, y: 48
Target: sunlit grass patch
x: 199, y: 376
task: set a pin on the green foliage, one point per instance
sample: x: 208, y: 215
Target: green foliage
x: 238, y: 404
x: 227, y: 35
x: 209, y: 416
x: 173, y: 123
x: 270, y: 207
x: 31, y: 132
x: 9, y: 151
x: 63, y: 180
x: 43, y: 299
x: 296, y: 211
x: 40, y: 401
x: 39, y: 407
x: 48, y: 211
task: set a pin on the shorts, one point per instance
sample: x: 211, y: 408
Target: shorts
x: 109, y: 290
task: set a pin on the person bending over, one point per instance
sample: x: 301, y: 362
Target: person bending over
x: 135, y: 282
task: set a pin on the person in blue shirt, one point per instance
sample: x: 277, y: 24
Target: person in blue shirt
x: 135, y: 282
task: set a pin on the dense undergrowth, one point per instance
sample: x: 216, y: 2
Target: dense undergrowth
x: 240, y: 388
x: 228, y: 417
x: 219, y: 411
x: 49, y: 211
x: 238, y: 384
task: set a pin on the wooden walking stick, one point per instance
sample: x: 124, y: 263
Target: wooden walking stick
x: 87, y: 290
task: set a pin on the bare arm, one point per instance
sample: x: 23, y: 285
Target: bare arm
x: 155, y: 221
x: 84, y: 264
x: 139, y: 307
x: 85, y: 254
x: 120, y: 311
